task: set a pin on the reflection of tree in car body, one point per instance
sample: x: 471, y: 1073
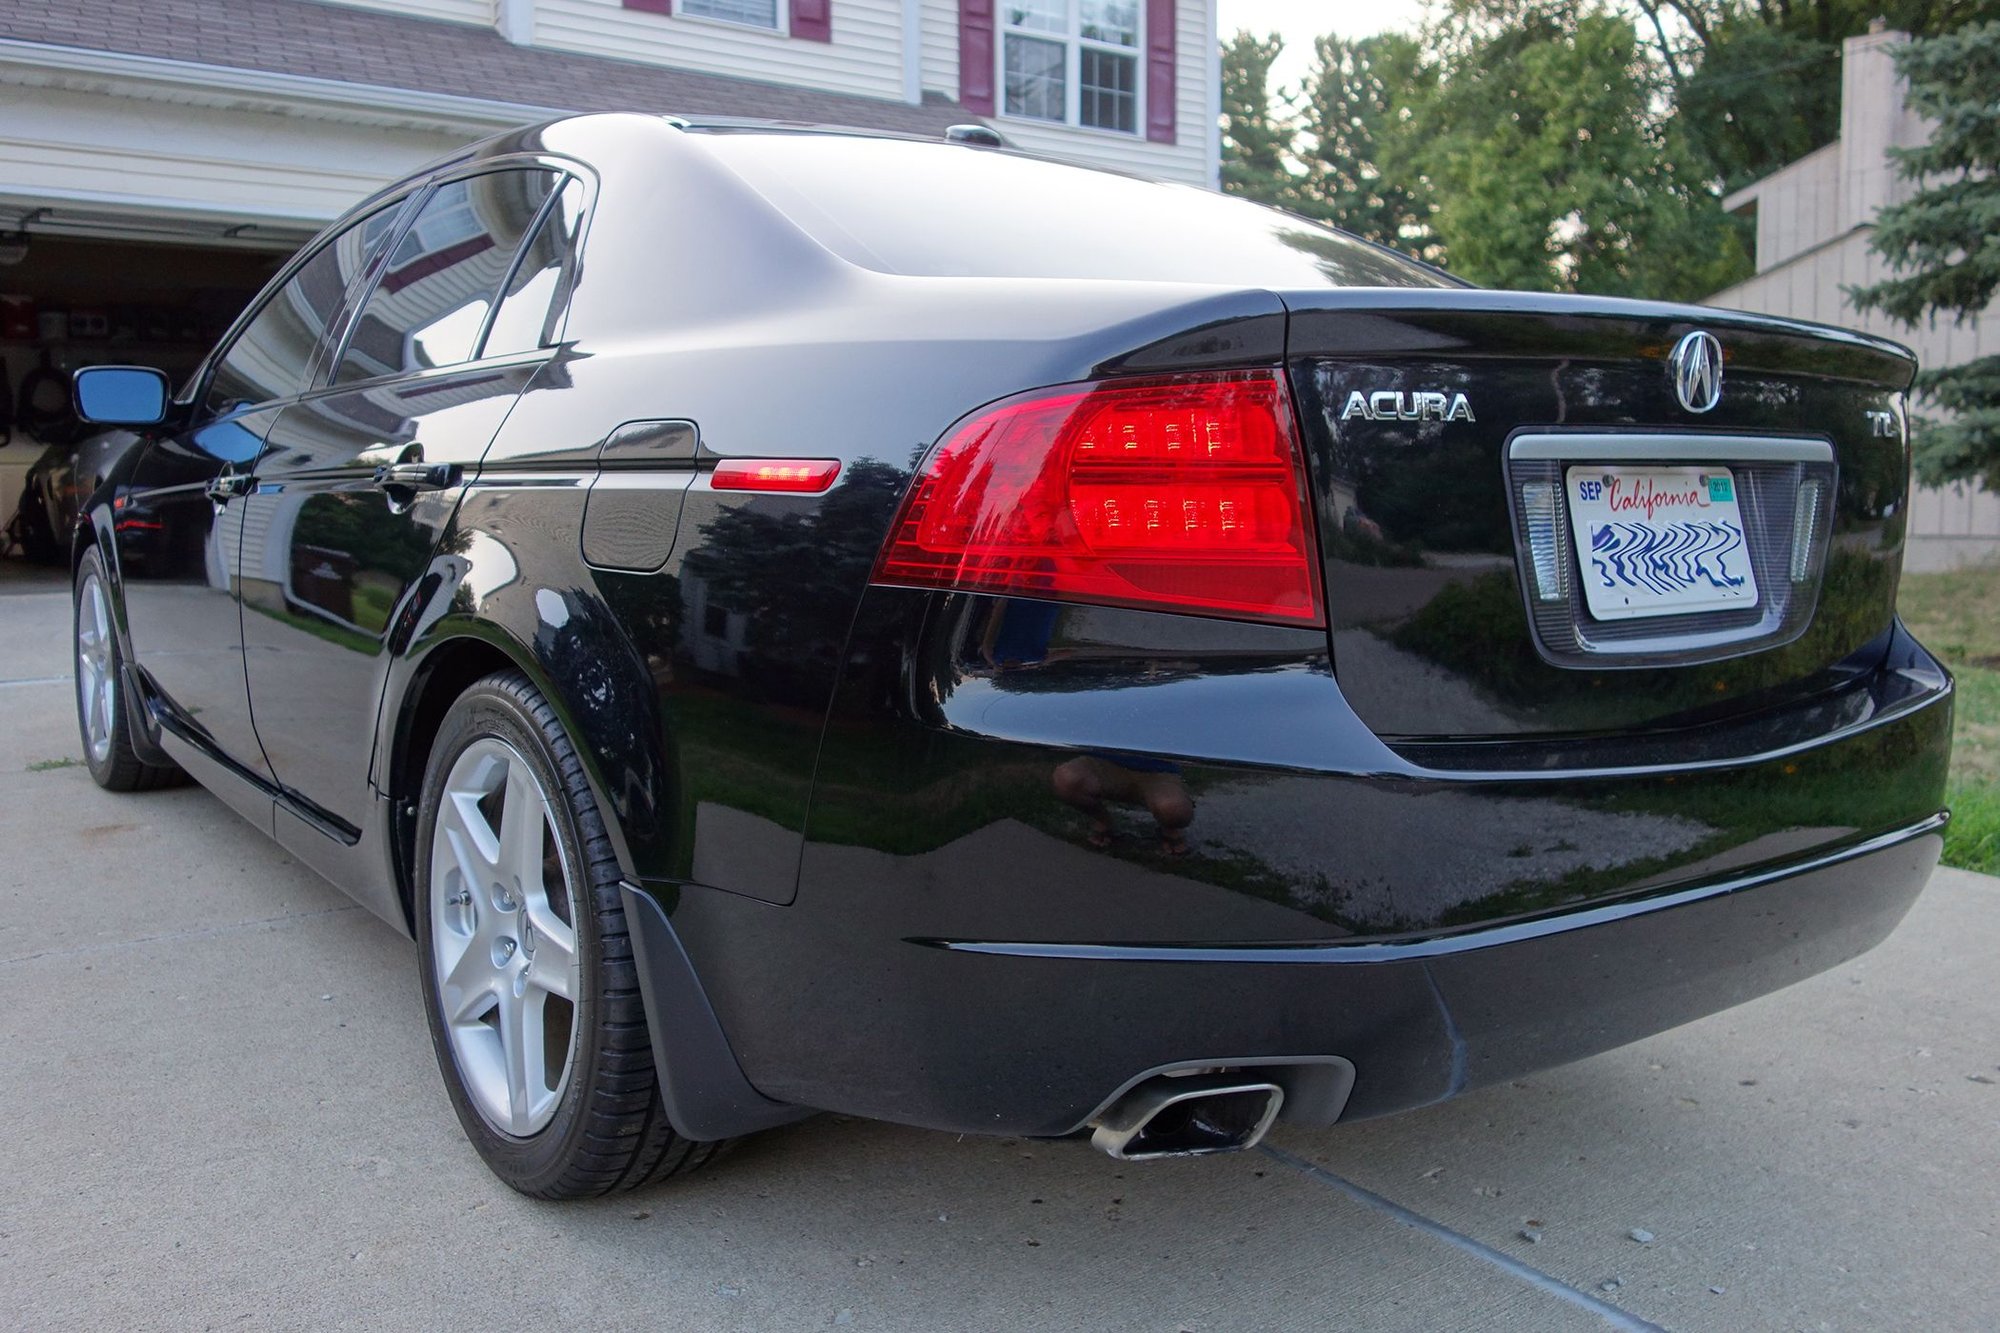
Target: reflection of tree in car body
x: 787, y: 573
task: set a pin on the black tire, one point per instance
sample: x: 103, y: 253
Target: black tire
x: 609, y: 1130
x: 114, y: 765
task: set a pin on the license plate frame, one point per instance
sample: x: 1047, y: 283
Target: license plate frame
x: 1657, y: 540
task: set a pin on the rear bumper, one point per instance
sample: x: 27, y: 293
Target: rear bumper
x: 1008, y: 974
x: 1033, y: 1039
x: 1425, y: 1021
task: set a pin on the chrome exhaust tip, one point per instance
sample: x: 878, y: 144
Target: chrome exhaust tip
x: 1189, y: 1116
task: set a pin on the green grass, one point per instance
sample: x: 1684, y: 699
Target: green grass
x: 47, y: 765
x: 1957, y: 615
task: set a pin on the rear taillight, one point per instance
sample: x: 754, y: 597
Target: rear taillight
x: 1183, y: 494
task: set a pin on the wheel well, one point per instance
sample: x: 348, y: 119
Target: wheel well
x: 449, y: 670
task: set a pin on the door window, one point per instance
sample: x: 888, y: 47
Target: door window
x: 273, y: 355
x: 434, y: 294
x: 537, y: 296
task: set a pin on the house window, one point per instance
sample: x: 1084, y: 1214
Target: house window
x: 1075, y: 62
x: 756, y: 13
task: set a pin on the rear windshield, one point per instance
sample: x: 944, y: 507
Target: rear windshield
x: 945, y: 210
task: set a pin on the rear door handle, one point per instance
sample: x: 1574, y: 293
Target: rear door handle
x: 227, y: 486
x: 417, y: 476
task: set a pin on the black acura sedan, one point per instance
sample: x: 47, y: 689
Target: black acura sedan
x: 795, y: 620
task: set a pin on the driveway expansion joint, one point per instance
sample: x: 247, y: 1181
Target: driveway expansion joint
x: 1506, y: 1263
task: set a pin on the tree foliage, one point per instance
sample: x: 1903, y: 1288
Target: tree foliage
x: 1256, y: 140
x: 1363, y: 175
x: 1555, y: 167
x: 1523, y: 144
x: 1943, y: 242
x: 1580, y: 145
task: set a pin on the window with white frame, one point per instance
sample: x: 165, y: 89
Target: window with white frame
x: 1075, y: 62
x: 756, y: 13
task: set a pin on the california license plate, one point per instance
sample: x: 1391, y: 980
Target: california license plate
x: 1659, y: 541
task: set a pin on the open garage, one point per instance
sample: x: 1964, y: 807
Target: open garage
x: 142, y: 203
x: 95, y: 289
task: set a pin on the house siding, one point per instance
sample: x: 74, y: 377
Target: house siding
x: 937, y: 30
x: 145, y: 153
x: 865, y: 56
x: 1186, y: 159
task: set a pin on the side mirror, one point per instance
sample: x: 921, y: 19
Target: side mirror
x: 121, y: 395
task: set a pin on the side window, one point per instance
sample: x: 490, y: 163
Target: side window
x: 272, y: 355
x: 537, y: 296
x: 431, y: 300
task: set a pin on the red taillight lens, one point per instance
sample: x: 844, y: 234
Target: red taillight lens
x: 1176, y: 495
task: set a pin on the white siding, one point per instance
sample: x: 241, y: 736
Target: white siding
x: 865, y: 56
x: 162, y: 156
x: 937, y: 21
x: 1186, y: 159
x: 452, y: 11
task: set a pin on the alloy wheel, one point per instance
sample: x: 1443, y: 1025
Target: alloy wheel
x: 503, y: 938
x: 96, y: 668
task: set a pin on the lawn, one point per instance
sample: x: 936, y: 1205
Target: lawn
x: 1957, y: 615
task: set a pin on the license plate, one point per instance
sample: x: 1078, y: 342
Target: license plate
x: 1659, y: 541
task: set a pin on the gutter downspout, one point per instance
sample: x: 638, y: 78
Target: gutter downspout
x: 515, y: 20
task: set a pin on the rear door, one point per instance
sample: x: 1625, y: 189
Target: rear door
x: 179, y: 519
x: 358, y: 479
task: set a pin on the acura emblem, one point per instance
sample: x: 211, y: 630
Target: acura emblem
x: 1697, y: 368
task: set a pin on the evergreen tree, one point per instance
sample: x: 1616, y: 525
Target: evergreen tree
x: 1256, y: 136
x: 1943, y: 242
x: 1362, y: 173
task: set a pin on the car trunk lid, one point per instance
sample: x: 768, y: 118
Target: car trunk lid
x: 1528, y: 530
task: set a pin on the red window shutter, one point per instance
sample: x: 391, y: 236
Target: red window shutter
x: 975, y: 56
x: 1160, y: 101
x: 812, y: 20
x: 652, y: 6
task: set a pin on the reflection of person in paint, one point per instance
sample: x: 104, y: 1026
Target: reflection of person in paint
x: 1090, y: 781
x: 1018, y: 634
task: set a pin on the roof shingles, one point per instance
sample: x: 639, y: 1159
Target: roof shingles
x: 330, y: 41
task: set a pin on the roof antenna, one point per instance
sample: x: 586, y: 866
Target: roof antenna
x: 983, y: 135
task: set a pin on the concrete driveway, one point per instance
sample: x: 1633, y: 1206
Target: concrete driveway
x: 220, y: 1109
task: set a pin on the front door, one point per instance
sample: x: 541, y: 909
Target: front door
x: 357, y: 480
x: 176, y: 532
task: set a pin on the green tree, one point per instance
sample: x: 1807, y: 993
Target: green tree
x: 1256, y: 135
x: 1759, y: 97
x: 1943, y: 242
x: 1362, y: 173
x: 1756, y: 83
x: 1555, y: 163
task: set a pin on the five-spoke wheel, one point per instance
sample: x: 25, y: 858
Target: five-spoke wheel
x: 503, y: 937
x: 101, y: 719
x: 540, y: 1031
x: 96, y: 667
